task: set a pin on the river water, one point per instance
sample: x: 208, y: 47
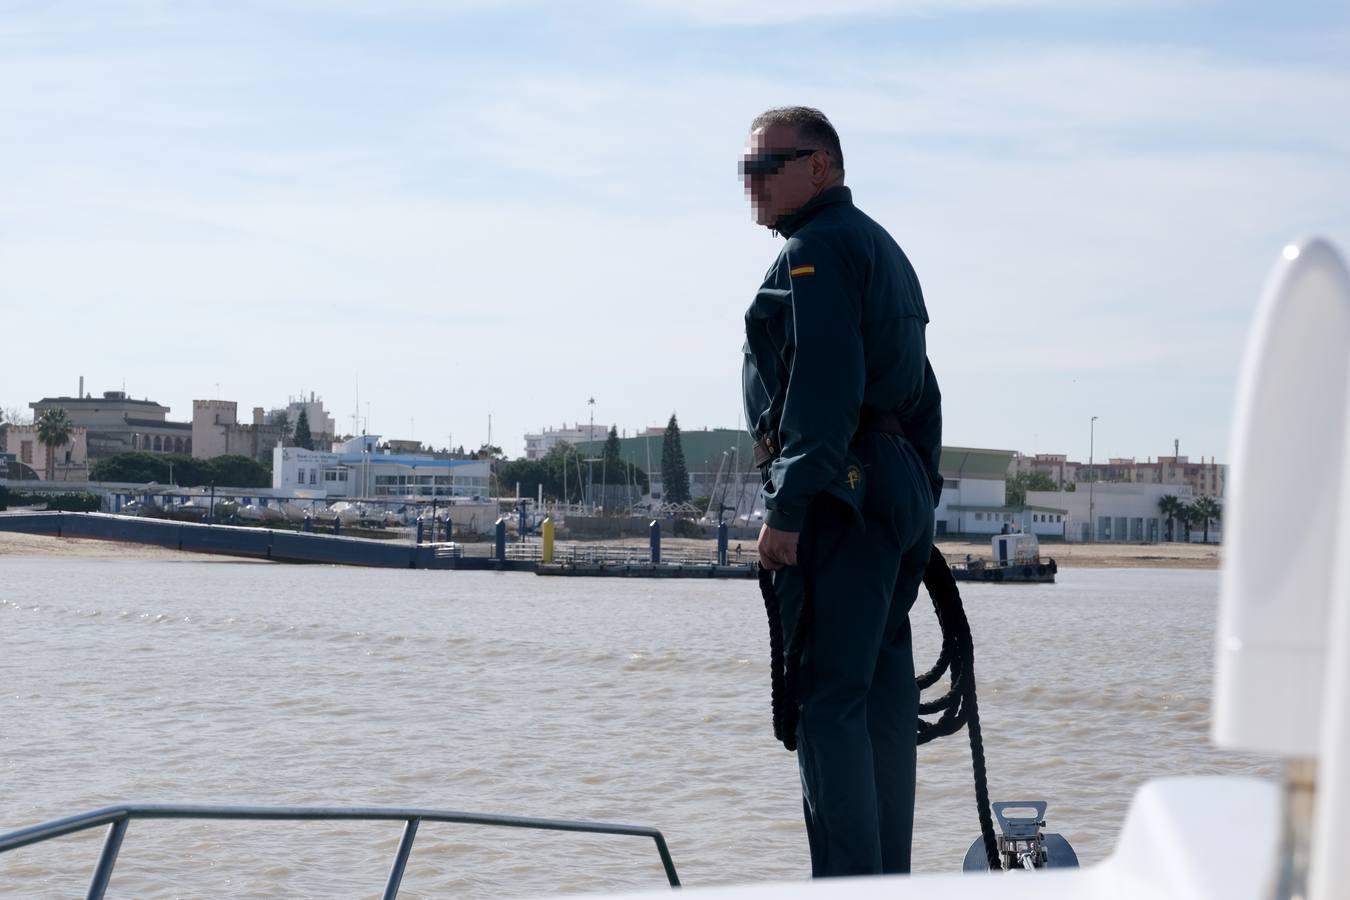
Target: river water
x: 621, y: 700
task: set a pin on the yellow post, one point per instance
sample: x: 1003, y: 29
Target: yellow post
x: 548, y: 539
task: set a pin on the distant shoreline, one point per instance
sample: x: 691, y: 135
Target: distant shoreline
x: 1107, y: 556
x: 37, y: 546
x: 1068, y: 556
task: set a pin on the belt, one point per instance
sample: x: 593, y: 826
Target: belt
x: 884, y: 421
x: 766, y: 448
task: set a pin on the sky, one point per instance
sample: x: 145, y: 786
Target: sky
x: 436, y: 213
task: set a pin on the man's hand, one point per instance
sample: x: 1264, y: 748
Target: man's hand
x: 777, y: 548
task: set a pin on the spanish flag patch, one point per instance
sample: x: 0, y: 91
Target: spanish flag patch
x: 802, y: 270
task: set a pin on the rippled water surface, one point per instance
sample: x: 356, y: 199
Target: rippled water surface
x: 635, y: 701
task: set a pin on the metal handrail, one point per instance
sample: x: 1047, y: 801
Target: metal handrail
x: 985, y: 562
x: 117, y: 818
x: 633, y: 556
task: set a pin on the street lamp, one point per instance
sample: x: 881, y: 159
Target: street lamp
x: 1092, y: 434
x: 590, y: 463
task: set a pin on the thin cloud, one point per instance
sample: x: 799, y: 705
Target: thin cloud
x: 785, y: 12
x: 542, y: 231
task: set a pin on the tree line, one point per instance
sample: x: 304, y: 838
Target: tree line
x: 181, y: 470
x: 1199, y: 512
x: 564, y: 472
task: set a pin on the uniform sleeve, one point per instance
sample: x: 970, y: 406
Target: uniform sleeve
x: 825, y: 382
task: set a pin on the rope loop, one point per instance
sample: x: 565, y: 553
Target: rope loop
x: 955, y: 709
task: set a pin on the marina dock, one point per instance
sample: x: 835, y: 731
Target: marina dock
x: 285, y: 546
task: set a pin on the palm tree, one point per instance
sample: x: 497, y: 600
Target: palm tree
x: 1207, y: 509
x: 1169, y: 505
x: 53, y: 430
x: 1187, y: 517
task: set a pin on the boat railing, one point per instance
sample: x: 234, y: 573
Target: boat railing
x: 117, y: 819
x: 605, y: 555
x: 530, y: 551
x: 601, y: 555
x: 976, y: 563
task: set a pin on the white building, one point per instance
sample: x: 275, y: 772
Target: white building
x: 357, y: 469
x: 322, y: 426
x: 537, y: 445
x: 1124, y: 512
x: 974, y: 497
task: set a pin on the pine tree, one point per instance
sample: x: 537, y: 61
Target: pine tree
x: 303, y: 438
x: 674, y: 475
x: 611, y: 463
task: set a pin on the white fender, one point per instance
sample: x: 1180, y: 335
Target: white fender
x: 1329, y: 875
x: 1288, y: 453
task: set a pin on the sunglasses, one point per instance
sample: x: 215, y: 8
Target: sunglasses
x: 762, y: 165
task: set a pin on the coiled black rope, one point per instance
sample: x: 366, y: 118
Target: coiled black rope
x: 956, y: 708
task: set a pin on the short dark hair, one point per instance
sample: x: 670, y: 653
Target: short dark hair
x: 811, y: 126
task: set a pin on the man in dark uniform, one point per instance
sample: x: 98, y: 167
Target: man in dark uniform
x: 847, y: 419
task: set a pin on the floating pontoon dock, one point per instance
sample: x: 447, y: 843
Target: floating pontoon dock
x: 280, y: 545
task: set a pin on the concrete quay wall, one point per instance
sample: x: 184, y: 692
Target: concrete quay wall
x: 304, y: 547
x: 228, y: 540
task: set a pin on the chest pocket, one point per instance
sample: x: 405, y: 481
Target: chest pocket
x: 768, y: 342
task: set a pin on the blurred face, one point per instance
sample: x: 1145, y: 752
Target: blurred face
x: 780, y: 172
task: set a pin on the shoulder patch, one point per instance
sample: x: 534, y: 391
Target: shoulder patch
x: 802, y: 270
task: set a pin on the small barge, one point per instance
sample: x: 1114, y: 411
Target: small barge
x: 1016, y: 559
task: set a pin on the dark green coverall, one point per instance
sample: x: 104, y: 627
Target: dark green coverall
x: 835, y: 337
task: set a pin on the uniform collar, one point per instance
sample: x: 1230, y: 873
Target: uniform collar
x: 793, y: 222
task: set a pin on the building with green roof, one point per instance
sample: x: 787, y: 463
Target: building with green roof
x: 720, y: 464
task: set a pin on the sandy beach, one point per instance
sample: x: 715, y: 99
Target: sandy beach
x: 33, y: 546
x: 1106, y: 556
x: 1096, y: 556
